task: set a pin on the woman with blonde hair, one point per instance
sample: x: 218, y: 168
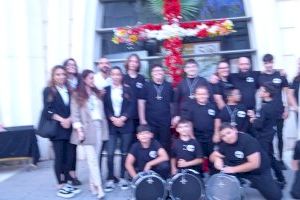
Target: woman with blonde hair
x: 90, y: 127
x: 57, y: 107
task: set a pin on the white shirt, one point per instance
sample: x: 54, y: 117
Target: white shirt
x: 117, y: 99
x: 100, y: 82
x: 94, y: 107
x: 64, y: 94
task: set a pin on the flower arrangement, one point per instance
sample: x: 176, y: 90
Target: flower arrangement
x: 131, y: 35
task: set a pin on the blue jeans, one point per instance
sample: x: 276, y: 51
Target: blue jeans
x: 125, y: 141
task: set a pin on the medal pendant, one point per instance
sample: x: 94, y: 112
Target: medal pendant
x: 158, y: 98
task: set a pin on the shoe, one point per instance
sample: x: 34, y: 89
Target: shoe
x: 72, y: 189
x: 76, y: 182
x: 109, y: 186
x: 123, y: 184
x: 282, y: 165
x: 100, y: 197
x: 65, y: 193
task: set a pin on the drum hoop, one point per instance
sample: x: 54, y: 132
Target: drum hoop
x: 148, y: 175
x: 178, y: 175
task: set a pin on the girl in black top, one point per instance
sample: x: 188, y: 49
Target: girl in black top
x: 57, y: 107
x: 119, y: 104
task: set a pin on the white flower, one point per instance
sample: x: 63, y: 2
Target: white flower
x: 213, y: 29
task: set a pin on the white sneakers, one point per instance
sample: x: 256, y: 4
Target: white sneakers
x: 68, y: 191
x: 123, y: 184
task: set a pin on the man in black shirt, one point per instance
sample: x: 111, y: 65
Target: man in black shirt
x: 281, y: 84
x: 154, y: 106
x: 264, y: 124
x: 240, y: 154
x: 186, y: 152
x: 147, y: 154
x: 185, y: 91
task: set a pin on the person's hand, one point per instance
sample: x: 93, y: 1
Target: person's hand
x: 65, y: 123
x: 143, y: 122
x: 182, y: 163
x: 119, y: 122
x: 80, y: 134
x: 285, y: 114
x: 147, y: 167
x: 228, y: 170
x: 219, y: 164
x: 214, y: 79
x: 175, y: 121
x: 251, y: 113
x: 173, y: 171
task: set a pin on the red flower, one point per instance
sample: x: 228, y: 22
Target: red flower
x: 202, y: 34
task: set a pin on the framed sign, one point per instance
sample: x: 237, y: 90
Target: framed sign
x: 207, y: 64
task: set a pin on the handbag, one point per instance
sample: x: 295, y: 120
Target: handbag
x: 47, y: 128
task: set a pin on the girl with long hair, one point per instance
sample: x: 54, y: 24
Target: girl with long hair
x: 90, y: 126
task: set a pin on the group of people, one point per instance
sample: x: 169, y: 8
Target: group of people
x: 176, y: 128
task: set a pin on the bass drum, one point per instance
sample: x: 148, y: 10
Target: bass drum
x: 149, y: 186
x: 186, y: 185
x: 223, y: 186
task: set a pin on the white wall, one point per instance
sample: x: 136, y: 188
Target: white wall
x: 36, y: 35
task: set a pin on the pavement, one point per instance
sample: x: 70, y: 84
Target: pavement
x: 24, y: 182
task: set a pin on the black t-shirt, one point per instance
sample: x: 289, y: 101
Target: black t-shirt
x: 279, y: 82
x: 158, y: 106
x: 186, y: 88
x: 295, y: 86
x: 236, y: 114
x: 236, y: 154
x: 297, y: 151
x: 136, y: 85
x: 247, y: 83
x: 187, y: 150
x: 265, y: 121
x: 221, y: 88
x: 202, y: 117
x: 144, y: 155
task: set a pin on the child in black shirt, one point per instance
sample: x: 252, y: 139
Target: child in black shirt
x: 186, y: 153
x: 233, y: 112
x: 147, y: 154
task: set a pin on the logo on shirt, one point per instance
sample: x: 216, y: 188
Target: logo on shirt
x: 249, y: 79
x: 276, y: 80
x: 241, y: 114
x: 211, y: 112
x: 153, y: 154
x: 139, y: 85
x: 239, y: 154
x: 189, y: 147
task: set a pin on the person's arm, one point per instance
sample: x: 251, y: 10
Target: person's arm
x: 253, y: 162
x: 161, y: 157
x: 219, y: 101
x: 216, y: 136
x: 184, y: 163
x: 142, y: 110
x: 173, y: 166
x: 129, y: 109
x: 217, y: 158
x: 129, y: 165
x: 292, y: 100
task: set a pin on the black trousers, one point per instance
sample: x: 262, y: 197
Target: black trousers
x: 64, y: 160
x: 265, y: 184
x: 279, y: 126
x: 73, y: 154
x: 268, y: 148
x: 162, y: 133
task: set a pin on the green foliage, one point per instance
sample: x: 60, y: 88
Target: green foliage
x: 189, y: 8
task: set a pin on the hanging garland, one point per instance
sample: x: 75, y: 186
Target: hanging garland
x: 172, y: 34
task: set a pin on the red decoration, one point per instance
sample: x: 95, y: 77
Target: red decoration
x: 172, y: 34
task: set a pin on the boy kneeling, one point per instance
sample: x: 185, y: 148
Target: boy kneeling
x: 147, y: 154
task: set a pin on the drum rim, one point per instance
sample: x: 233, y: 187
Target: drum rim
x: 147, y: 175
x: 227, y: 176
x: 176, y: 176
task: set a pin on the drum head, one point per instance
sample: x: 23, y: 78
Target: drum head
x: 149, y: 188
x: 223, y: 186
x: 185, y: 186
